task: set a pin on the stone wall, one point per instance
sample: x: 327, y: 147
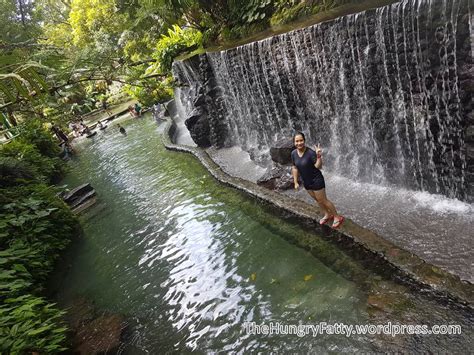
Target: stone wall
x: 387, y: 93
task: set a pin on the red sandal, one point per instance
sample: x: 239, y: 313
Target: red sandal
x: 325, y: 220
x: 337, y: 222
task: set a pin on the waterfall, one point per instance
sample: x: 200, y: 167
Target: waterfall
x: 386, y: 92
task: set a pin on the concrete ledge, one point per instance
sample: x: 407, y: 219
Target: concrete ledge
x: 364, y: 245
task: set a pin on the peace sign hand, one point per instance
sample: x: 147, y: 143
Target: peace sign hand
x: 318, y: 149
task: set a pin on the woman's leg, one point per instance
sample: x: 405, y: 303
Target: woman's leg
x: 320, y: 196
x: 323, y: 207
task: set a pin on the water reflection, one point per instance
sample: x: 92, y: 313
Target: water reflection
x: 189, y: 261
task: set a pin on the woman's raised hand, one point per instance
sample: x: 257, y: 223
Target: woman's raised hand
x: 318, y: 149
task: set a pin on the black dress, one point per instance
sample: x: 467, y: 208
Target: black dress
x: 311, y: 176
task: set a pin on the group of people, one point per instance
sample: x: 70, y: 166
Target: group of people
x: 135, y: 110
x: 79, y: 128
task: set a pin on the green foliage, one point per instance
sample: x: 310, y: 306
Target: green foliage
x: 24, y: 82
x: 29, y: 323
x: 94, y: 19
x: 19, y: 21
x: 41, y: 167
x: 287, y: 14
x: 32, y: 155
x: 119, y: 98
x: 34, y: 227
x: 254, y: 10
x: 14, y: 172
x: 40, y: 220
x: 288, y: 11
x: 237, y: 32
x: 33, y: 132
x: 157, y: 91
x: 176, y: 42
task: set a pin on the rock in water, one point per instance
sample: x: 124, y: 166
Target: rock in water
x: 80, y: 197
x: 281, y: 151
x: 94, y: 332
x: 101, y: 336
x: 278, y: 178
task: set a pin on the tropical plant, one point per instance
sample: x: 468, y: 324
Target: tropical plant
x: 158, y: 91
x: 174, y: 43
x: 14, y: 172
x: 45, y: 169
x: 34, y: 227
x: 33, y: 132
x: 30, y: 324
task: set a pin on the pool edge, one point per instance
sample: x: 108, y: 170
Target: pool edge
x: 403, y: 265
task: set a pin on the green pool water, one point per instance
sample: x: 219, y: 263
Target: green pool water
x: 188, y: 262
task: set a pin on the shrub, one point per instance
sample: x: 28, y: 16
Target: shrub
x: 43, y: 168
x: 238, y: 32
x: 288, y: 11
x: 33, y: 132
x: 176, y: 42
x: 35, y: 225
x: 30, y: 324
x: 158, y: 92
x: 14, y: 172
x: 252, y: 11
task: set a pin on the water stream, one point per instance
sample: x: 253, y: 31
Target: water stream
x: 386, y: 93
x: 188, y: 261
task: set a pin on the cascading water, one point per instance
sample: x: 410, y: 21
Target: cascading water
x: 184, y: 106
x: 386, y: 92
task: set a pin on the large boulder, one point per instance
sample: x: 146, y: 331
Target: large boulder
x: 76, y: 193
x: 101, y: 336
x: 198, y: 126
x: 278, y: 178
x: 94, y: 331
x: 80, y: 198
x: 281, y: 151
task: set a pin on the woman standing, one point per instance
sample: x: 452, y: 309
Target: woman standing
x: 307, y: 162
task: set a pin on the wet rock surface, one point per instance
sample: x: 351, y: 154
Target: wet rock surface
x: 281, y: 151
x: 361, y: 85
x: 94, y: 332
x: 80, y: 198
x: 278, y: 178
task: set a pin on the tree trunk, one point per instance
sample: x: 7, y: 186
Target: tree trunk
x: 22, y: 12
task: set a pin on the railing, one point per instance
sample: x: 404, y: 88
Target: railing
x: 7, y: 135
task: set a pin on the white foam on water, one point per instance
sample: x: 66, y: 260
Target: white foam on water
x: 440, y: 203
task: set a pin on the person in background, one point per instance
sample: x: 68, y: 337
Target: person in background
x: 75, y: 130
x: 131, y: 110
x: 121, y: 129
x: 156, y: 112
x: 105, y: 107
x: 138, y: 109
x: 306, y: 163
x: 63, y: 138
x: 86, y: 129
x: 60, y: 134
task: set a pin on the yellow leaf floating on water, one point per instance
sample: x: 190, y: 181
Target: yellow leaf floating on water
x: 307, y: 277
x: 253, y: 277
